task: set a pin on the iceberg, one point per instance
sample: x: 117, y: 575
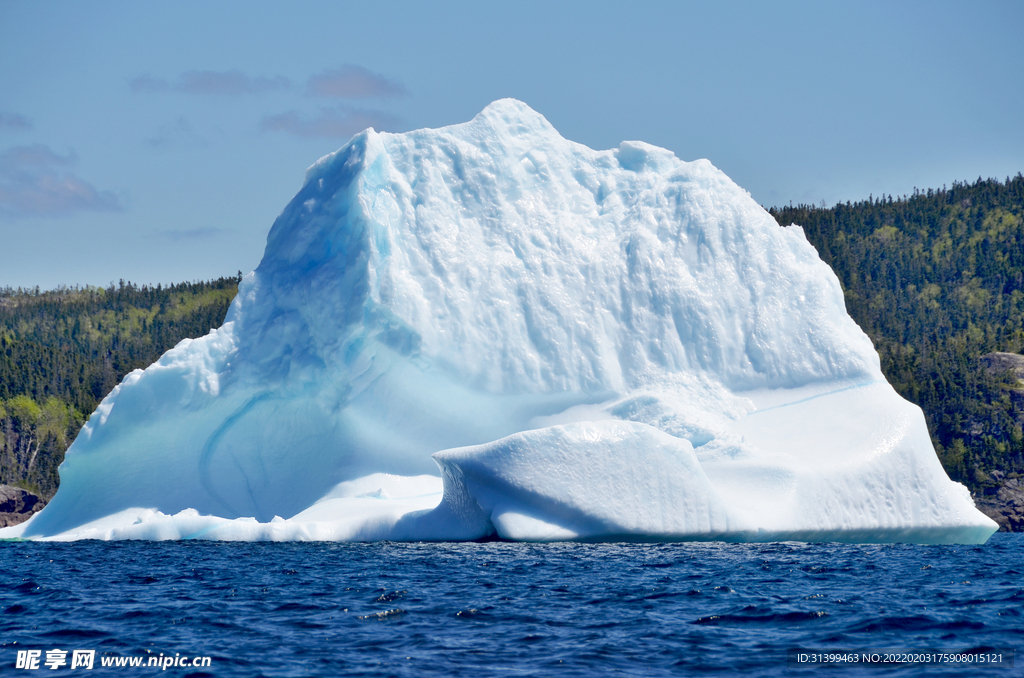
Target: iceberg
x: 487, y: 330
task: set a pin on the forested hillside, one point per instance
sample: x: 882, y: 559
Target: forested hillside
x: 936, y: 280
x: 62, y: 351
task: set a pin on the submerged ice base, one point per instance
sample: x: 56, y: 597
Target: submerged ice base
x: 487, y: 330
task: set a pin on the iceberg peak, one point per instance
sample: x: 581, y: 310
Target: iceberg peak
x: 514, y: 117
x: 574, y: 343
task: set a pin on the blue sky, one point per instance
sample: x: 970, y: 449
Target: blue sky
x: 157, y: 142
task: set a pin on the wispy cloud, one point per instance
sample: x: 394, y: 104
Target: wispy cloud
x: 14, y: 121
x: 34, y: 156
x: 230, y: 83
x: 147, y: 83
x: 36, y: 181
x: 338, y: 122
x: 204, y: 233
x: 177, y: 134
x: 347, y: 82
x: 353, y: 82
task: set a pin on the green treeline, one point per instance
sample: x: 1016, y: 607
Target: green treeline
x: 937, y: 280
x: 62, y: 351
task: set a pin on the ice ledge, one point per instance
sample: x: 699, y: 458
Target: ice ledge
x: 595, y: 481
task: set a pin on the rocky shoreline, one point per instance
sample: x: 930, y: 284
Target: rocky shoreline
x: 1005, y: 505
x: 17, y: 505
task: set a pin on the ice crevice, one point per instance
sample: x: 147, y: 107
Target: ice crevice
x: 487, y: 330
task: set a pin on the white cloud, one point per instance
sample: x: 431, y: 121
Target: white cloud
x: 36, y: 181
x: 14, y: 121
x: 231, y: 83
x: 353, y: 82
x: 338, y: 122
x: 177, y: 134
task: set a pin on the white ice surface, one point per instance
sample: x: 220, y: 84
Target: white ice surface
x: 585, y: 344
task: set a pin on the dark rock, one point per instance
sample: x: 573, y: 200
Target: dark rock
x: 17, y: 505
x: 1010, y: 365
x: 1005, y: 506
x: 1004, y: 363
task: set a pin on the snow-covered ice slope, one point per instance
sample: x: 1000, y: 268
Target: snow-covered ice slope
x: 574, y: 343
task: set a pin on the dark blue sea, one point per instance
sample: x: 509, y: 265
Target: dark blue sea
x: 511, y: 609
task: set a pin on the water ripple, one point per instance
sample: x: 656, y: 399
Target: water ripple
x: 498, y: 608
